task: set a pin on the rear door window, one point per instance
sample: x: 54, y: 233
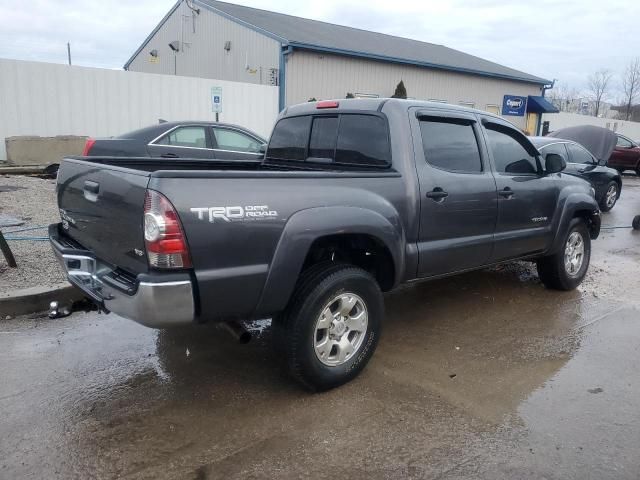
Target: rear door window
x: 451, y: 145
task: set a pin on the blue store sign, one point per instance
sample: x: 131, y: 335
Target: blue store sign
x: 514, y: 105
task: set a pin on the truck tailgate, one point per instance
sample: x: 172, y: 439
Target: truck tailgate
x: 101, y: 207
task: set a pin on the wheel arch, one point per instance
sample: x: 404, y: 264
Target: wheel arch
x: 577, y: 205
x: 313, y: 231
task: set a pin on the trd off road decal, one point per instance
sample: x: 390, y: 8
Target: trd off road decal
x: 235, y: 213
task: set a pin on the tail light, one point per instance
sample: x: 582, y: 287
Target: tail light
x: 88, y: 146
x: 163, y: 234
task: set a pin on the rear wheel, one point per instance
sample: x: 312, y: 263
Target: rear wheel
x: 610, y: 197
x: 331, y: 327
x: 566, y: 269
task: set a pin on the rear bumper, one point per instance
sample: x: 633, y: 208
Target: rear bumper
x: 150, y: 300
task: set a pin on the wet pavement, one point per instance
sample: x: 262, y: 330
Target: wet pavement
x: 485, y: 375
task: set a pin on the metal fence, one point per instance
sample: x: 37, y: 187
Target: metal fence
x: 47, y: 99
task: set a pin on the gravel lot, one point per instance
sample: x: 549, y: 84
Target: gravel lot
x: 31, y: 199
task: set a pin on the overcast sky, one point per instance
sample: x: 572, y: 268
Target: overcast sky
x: 566, y: 40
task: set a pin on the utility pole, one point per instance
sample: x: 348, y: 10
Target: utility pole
x: 69, y: 52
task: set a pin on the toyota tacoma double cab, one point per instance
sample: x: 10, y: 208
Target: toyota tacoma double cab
x: 352, y: 199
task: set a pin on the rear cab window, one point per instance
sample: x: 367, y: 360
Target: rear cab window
x: 345, y: 140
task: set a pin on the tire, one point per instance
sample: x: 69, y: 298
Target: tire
x: 553, y: 271
x: 636, y: 222
x: 313, y: 333
x: 610, y: 197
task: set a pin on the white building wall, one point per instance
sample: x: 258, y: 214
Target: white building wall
x: 203, y: 54
x: 327, y: 76
x: 564, y: 120
x: 50, y: 99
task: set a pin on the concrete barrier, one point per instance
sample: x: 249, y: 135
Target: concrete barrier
x: 32, y: 150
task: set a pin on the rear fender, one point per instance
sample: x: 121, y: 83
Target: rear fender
x: 306, y: 226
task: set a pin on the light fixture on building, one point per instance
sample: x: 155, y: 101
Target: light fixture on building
x: 227, y: 45
x: 153, y: 53
x: 175, y: 45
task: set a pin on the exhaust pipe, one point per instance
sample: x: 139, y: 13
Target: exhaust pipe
x: 237, y: 331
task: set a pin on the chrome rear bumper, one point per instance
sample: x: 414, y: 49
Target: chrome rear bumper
x: 156, y: 304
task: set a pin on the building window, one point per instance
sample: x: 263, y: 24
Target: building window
x: 467, y: 104
x: 437, y: 101
x: 366, y: 95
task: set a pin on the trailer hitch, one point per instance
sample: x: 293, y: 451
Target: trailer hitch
x: 60, y: 311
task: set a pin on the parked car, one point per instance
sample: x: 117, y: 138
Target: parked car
x: 626, y: 155
x: 352, y: 199
x: 581, y: 163
x: 206, y: 140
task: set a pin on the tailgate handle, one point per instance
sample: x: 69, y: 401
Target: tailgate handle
x: 91, y: 190
x: 91, y: 187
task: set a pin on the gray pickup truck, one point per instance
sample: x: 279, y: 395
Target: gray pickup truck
x: 352, y: 199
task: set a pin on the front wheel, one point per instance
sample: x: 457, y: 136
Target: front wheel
x: 331, y: 327
x: 610, y: 197
x: 566, y: 269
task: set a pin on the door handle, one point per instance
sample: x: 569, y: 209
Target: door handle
x: 169, y: 155
x: 582, y: 170
x: 506, y: 193
x: 437, y: 194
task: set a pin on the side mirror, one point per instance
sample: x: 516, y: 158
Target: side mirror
x: 263, y: 148
x: 555, y: 163
x: 602, y: 163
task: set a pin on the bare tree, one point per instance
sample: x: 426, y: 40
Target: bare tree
x: 598, y: 87
x: 564, y: 97
x: 631, y: 84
